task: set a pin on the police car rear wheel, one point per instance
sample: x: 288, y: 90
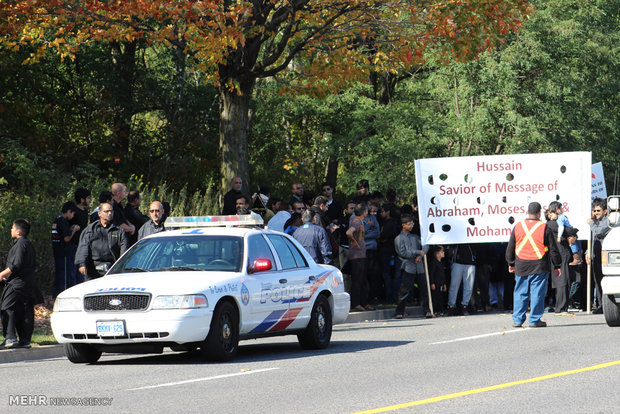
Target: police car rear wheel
x: 318, y: 333
x: 222, y: 342
x: 81, y: 353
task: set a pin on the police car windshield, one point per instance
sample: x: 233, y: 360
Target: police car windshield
x: 178, y: 253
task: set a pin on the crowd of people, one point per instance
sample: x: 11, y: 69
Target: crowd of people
x: 373, y: 239
x: 82, y: 251
x: 376, y: 243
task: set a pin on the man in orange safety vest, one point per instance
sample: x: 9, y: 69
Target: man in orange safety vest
x: 531, y: 254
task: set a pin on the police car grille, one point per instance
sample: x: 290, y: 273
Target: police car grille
x: 116, y: 302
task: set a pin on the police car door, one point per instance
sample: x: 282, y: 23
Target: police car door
x: 297, y: 274
x: 261, y: 291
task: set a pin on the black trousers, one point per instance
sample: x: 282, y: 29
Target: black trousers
x: 17, y: 317
x: 597, y: 272
x: 374, y: 275
x: 359, y: 283
x: 408, y: 280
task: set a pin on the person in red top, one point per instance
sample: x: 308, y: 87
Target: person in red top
x: 530, y: 247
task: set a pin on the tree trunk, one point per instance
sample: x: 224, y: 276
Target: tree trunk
x: 124, y: 61
x: 331, y: 172
x: 234, y: 128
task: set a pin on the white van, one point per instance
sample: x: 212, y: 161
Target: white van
x: 610, y: 258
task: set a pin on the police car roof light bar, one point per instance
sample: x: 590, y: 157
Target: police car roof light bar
x: 251, y: 219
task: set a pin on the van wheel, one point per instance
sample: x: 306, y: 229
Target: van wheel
x: 611, y: 311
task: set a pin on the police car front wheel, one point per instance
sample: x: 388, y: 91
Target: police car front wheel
x: 81, y: 353
x: 222, y: 341
x: 318, y: 333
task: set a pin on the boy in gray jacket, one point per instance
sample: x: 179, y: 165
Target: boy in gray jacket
x: 409, y: 249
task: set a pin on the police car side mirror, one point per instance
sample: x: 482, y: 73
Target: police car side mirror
x: 260, y: 265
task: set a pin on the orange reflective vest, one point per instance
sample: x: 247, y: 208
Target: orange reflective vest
x: 530, y: 240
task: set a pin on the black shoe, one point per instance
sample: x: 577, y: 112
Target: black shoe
x: 464, y: 311
x: 24, y: 345
x: 539, y: 324
x: 517, y: 325
x: 597, y: 311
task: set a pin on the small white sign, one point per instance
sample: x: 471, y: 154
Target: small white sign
x: 599, y: 189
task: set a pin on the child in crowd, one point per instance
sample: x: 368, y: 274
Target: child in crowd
x: 575, y: 269
x: 437, y: 276
x: 561, y: 219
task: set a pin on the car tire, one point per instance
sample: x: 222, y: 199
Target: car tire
x: 81, y: 353
x: 611, y: 310
x: 222, y: 342
x: 318, y: 333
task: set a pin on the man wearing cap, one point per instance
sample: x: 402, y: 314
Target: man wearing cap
x: 530, y: 245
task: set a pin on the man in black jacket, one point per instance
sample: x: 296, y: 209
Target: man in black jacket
x: 156, y: 223
x: 20, y: 292
x: 134, y: 215
x: 101, y: 244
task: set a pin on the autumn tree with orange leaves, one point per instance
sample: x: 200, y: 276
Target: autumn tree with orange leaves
x: 314, y: 46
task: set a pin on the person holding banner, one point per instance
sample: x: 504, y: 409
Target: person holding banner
x: 530, y: 246
x: 409, y: 250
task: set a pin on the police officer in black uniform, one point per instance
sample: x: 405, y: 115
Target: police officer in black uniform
x: 101, y: 244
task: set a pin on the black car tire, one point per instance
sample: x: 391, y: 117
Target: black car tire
x: 611, y: 310
x: 81, y: 353
x: 222, y: 342
x: 318, y: 333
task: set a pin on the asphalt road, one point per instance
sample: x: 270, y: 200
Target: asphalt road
x: 473, y: 364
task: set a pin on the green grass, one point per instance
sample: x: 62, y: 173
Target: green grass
x: 43, y: 337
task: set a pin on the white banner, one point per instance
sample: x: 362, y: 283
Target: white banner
x: 479, y: 199
x: 599, y: 189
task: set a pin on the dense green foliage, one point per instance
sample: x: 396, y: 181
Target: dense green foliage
x: 122, y: 111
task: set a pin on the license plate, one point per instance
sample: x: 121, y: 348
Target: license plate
x: 110, y: 328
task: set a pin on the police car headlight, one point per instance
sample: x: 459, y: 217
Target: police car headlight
x: 68, y: 305
x: 180, y: 302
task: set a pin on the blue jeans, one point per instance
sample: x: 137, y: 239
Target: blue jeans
x: 461, y: 273
x: 529, y: 290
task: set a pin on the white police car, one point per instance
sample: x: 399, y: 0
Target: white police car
x: 202, y: 287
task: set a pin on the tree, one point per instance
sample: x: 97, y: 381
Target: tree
x: 323, y: 42
x: 552, y: 87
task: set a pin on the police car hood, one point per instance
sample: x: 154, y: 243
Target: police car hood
x: 156, y: 283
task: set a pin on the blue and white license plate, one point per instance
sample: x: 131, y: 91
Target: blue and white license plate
x: 111, y: 328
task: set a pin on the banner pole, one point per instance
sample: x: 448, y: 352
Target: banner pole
x: 589, y: 278
x: 428, y: 285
